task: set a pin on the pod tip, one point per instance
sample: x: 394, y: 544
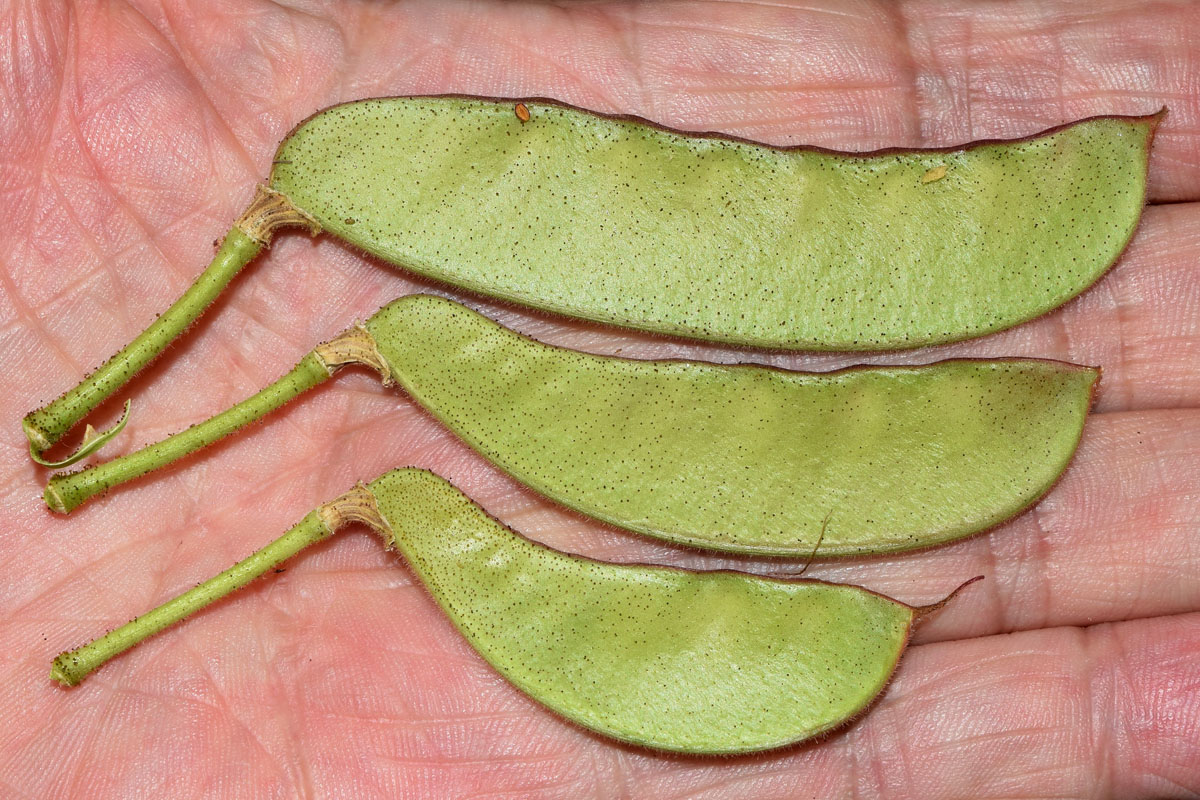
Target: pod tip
x: 933, y: 608
x: 60, y: 673
x: 37, y: 439
x: 54, y: 500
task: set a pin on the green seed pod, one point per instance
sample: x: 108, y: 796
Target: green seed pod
x: 617, y: 220
x: 621, y: 221
x: 744, y: 458
x: 695, y: 662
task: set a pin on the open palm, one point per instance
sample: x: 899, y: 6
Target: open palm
x: 133, y: 134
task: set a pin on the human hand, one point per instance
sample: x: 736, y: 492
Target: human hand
x: 133, y: 136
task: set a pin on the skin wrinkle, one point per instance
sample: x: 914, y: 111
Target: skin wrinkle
x: 1117, y: 609
x: 909, y: 65
x: 967, y: 91
x: 856, y: 769
x: 404, y: 719
x: 427, y: 734
x: 1112, y: 289
x: 293, y: 759
x: 735, y: 89
x: 75, y: 575
x: 220, y: 703
x: 883, y: 760
x: 1040, y: 547
x: 1156, y: 461
x: 631, y: 43
x: 131, y: 214
x: 60, y: 80
x: 245, y: 346
x: 74, y: 286
x: 1114, y: 728
x: 11, y: 289
x: 1100, y: 727
x: 92, y: 245
x: 12, y: 791
x: 33, y: 321
x: 994, y: 591
x: 91, y: 735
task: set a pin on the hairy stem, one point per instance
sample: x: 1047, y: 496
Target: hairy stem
x: 72, y: 667
x: 65, y: 493
x: 269, y: 211
x: 357, y: 505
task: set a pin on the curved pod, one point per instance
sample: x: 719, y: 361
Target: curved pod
x: 740, y: 458
x: 696, y: 662
x: 621, y: 221
x: 746, y: 458
x: 618, y: 220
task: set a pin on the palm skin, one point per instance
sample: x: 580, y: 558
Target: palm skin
x: 132, y: 136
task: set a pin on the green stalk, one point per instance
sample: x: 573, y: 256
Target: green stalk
x: 72, y: 667
x: 65, y: 493
x: 253, y: 230
x: 48, y: 424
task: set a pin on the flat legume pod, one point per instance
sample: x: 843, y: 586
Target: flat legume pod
x: 696, y: 662
x: 621, y: 221
x: 737, y: 458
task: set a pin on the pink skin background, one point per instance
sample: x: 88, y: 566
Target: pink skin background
x: 132, y: 134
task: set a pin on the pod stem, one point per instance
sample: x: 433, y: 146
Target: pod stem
x: 357, y: 505
x: 253, y: 230
x: 65, y: 493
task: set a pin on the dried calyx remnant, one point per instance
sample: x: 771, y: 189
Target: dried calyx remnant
x: 271, y: 211
x: 355, y: 346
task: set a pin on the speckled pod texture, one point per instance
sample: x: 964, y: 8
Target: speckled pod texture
x: 699, y: 662
x: 620, y: 221
x: 746, y: 458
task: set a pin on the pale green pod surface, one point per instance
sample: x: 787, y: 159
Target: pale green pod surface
x: 621, y: 221
x: 699, y: 662
x: 746, y: 458
x: 695, y: 662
